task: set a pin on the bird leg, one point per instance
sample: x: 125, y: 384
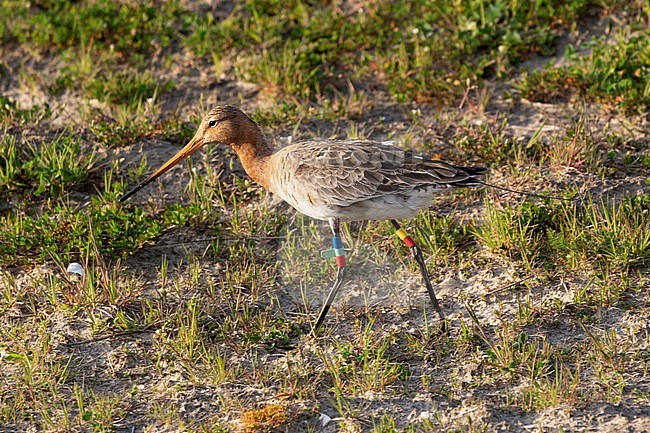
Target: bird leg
x: 419, y: 258
x: 337, y: 252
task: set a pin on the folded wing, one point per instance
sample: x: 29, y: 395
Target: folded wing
x: 344, y: 173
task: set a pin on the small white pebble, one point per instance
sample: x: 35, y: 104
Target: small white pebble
x: 426, y: 415
x: 75, y: 268
x: 324, y: 419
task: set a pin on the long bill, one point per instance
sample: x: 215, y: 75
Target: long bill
x: 191, y: 147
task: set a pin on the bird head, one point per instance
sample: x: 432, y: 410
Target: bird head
x: 224, y: 124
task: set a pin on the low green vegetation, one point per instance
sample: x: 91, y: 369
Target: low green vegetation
x: 572, y: 236
x: 129, y: 29
x: 616, y: 74
x: 125, y: 88
x: 419, y: 51
x: 47, y: 167
x: 65, y: 232
x: 192, y: 303
x: 10, y: 113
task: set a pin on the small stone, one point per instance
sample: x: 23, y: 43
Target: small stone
x: 324, y: 419
x: 75, y: 268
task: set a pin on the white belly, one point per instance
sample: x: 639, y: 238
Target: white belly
x: 392, y: 206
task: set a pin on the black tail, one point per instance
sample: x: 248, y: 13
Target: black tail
x: 476, y: 176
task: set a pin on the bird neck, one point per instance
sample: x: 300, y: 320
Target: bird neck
x: 254, y: 156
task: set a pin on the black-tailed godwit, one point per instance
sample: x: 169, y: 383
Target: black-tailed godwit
x: 334, y: 181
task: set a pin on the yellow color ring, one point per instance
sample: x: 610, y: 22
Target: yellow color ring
x: 402, y: 234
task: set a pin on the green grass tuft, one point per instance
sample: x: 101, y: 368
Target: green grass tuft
x: 615, y: 73
x: 49, y: 166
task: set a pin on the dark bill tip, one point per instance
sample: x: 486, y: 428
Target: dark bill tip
x: 134, y: 190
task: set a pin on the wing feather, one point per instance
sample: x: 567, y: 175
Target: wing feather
x: 345, y: 172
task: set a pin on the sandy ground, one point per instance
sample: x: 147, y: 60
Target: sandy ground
x: 378, y: 282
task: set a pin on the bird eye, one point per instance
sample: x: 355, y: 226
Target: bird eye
x: 212, y: 123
